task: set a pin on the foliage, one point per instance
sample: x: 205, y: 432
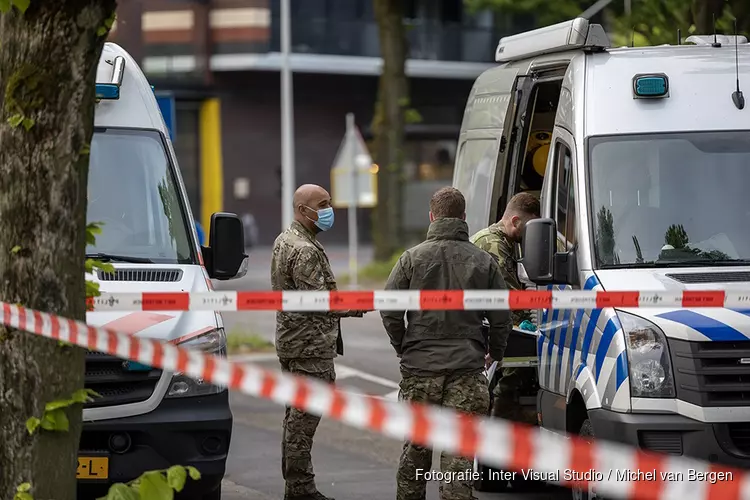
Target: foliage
x: 20, y: 5
x: 54, y: 418
x: 92, y: 288
x: 241, y: 341
x: 606, y: 237
x: 649, y: 23
x: 676, y: 236
x: 22, y: 492
x: 154, y: 485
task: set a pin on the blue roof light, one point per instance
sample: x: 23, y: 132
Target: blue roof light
x: 650, y: 86
x: 107, y: 91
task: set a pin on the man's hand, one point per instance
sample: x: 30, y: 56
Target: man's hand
x: 488, y: 361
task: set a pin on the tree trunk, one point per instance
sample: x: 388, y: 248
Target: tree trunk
x: 704, y: 12
x: 388, y: 126
x: 48, y: 71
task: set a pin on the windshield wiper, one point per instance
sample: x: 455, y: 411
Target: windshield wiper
x: 108, y: 257
x: 680, y: 263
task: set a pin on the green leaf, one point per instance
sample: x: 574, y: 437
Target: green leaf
x: 154, y: 486
x: 55, y: 405
x: 194, y: 473
x: 88, y: 265
x: 119, y: 491
x: 84, y: 396
x: 15, y: 120
x: 101, y: 31
x: 60, y: 419
x: 5, y: 6
x: 22, y: 5
x: 28, y: 123
x: 32, y: 424
x: 23, y: 487
x: 176, y: 477
x: 48, y: 422
x: 22, y: 495
x: 15, y: 249
x: 92, y: 289
x: 85, y: 150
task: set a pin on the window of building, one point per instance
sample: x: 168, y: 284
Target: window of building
x: 429, y: 160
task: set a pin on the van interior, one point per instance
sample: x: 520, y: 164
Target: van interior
x: 535, y: 118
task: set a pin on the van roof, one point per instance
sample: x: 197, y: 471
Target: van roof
x: 136, y: 106
x: 701, y: 82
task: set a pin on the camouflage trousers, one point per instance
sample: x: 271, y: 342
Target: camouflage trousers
x: 468, y: 393
x: 299, y: 430
x: 506, y: 394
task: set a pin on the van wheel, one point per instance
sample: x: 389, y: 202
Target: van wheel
x: 214, y: 495
x: 586, y: 492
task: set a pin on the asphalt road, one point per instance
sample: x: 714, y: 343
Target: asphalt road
x: 349, y: 463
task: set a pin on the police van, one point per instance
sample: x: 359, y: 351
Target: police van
x: 147, y: 418
x: 640, y: 156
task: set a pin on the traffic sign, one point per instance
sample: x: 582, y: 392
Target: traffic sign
x: 354, y: 177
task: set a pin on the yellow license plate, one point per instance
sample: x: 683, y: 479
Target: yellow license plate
x: 93, y: 468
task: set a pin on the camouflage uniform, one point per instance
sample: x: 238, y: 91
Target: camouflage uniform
x: 465, y: 392
x: 512, y: 382
x: 306, y: 343
x: 442, y: 352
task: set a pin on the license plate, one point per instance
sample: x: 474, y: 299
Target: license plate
x: 93, y: 468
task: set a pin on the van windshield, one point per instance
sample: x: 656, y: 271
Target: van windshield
x: 132, y: 191
x: 665, y: 200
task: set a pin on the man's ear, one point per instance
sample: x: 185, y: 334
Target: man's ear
x: 463, y: 217
x: 432, y: 218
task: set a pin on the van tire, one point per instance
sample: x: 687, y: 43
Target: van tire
x: 213, y: 495
x: 576, y: 493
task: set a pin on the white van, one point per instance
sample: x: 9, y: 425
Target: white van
x: 640, y: 156
x: 147, y: 418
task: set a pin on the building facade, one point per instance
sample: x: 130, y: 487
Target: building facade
x: 220, y: 59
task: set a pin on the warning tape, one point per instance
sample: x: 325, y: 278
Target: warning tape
x: 402, y: 300
x: 618, y: 470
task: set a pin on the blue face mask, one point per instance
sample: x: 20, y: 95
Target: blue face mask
x: 325, y: 219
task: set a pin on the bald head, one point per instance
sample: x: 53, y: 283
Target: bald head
x: 308, y: 199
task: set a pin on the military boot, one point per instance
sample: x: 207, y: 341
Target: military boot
x: 312, y: 496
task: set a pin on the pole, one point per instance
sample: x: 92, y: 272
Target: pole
x: 353, y: 200
x: 287, y: 121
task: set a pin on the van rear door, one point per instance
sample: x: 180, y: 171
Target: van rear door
x: 483, y: 143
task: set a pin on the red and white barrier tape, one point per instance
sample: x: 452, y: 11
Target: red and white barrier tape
x: 412, y: 300
x: 503, y: 444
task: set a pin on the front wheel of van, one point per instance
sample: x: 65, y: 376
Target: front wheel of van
x: 587, y: 492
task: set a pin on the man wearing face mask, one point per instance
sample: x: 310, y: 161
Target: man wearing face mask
x: 306, y: 342
x: 500, y: 240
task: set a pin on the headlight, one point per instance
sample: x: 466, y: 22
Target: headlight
x: 182, y: 386
x: 648, y: 358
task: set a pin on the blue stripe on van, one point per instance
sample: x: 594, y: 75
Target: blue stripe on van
x: 590, y: 329
x: 622, y: 369
x: 561, y: 347
x: 601, y: 351
x: 574, y: 339
x: 711, y: 328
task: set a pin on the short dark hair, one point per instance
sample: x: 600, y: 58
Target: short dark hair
x: 524, y: 205
x: 448, y: 202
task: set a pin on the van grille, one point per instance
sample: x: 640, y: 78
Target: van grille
x: 161, y: 275
x: 710, y: 373
x: 107, y: 376
x: 700, y: 278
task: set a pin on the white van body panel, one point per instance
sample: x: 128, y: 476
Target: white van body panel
x: 137, y: 108
x: 584, y: 350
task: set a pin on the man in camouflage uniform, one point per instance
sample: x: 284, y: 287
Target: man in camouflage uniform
x: 306, y: 342
x: 500, y: 240
x: 443, y: 352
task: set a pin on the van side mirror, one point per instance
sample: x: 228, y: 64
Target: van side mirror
x: 543, y: 264
x: 539, y: 239
x: 225, y: 257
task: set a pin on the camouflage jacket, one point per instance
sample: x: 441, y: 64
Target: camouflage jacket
x: 299, y: 262
x: 436, y: 342
x: 494, y: 241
